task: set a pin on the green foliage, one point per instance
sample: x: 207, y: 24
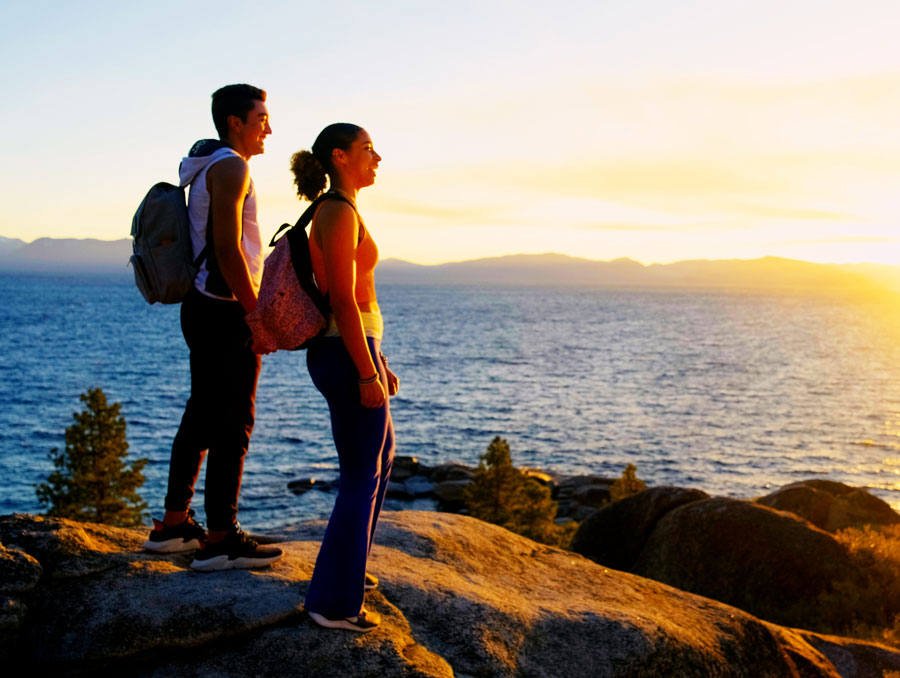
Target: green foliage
x: 91, y: 481
x: 503, y: 495
x: 628, y: 485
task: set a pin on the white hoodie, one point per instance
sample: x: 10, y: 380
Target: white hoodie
x: 193, y: 171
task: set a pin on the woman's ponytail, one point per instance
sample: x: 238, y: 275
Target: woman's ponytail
x: 311, y: 168
x: 309, y: 175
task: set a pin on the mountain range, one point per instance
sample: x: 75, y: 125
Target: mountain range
x: 110, y: 256
x: 559, y: 269
x: 81, y: 255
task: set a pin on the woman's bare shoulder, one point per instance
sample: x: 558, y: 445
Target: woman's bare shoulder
x: 334, y: 217
x: 335, y: 212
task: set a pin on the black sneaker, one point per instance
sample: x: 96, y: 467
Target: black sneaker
x: 364, y: 622
x: 235, y: 552
x: 173, y: 538
x: 371, y: 582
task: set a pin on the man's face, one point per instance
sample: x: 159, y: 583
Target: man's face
x: 251, y: 135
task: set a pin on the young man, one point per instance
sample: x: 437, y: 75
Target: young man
x: 219, y: 414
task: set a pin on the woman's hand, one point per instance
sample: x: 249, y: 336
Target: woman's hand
x: 372, y: 394
x: 393, y: 383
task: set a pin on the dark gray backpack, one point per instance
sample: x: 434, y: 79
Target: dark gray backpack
x: 163, y: 260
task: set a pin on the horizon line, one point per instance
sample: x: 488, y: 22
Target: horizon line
x: 538, y: 254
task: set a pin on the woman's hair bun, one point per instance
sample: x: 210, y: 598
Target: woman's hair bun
x: 309, y: 175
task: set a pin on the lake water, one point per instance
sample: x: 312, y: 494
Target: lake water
x: 734, y: 393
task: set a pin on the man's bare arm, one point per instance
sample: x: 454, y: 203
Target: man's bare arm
x: 228, y: 181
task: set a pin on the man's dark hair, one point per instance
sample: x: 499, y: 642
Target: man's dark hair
x: 233, y: 100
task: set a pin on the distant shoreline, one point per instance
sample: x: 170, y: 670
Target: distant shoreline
x: 96, y: 257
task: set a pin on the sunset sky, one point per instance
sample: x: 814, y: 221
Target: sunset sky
x: 653, y: 130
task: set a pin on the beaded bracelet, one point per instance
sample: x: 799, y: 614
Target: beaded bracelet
x: 370, y: 380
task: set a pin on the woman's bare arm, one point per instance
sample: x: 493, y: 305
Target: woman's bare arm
x: 338, y: 232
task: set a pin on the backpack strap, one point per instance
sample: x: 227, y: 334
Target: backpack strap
x: 206, y: 147
x: 202, y: 256
x: 308, y: 213
x: 299, y: 246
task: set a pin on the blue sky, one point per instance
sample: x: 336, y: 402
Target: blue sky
x: 653, y: 130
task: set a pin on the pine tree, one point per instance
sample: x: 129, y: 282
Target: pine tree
x: 91, y: 481
x: 496, y: 486
x: 503, y: 495
x: 627, y: 485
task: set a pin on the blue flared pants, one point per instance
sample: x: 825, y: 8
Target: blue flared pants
x: 364, y: 438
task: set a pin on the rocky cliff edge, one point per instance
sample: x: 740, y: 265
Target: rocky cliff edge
x: 459, y: 597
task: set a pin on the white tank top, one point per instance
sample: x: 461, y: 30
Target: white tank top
x: 198, y: 212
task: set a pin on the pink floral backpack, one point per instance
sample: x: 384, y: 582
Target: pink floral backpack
x: 290, y: 311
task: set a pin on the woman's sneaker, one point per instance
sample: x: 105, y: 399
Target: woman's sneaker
x: 173, y: 538
x: 371, y: 582
x: 364, y: 622
x: 235, y: 552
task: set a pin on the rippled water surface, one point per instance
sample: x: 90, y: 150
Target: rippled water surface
x: 733, y: 393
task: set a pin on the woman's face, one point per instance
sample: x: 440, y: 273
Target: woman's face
x: 360, y: 161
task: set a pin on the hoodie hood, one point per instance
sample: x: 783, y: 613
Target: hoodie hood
x: 204, y: 153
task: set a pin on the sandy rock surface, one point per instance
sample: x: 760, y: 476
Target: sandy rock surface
x: 459, y: 598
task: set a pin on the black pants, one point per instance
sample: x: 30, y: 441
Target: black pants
x: 219, y: 414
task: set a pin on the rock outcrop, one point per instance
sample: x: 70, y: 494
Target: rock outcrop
x: 767, y: 562
x: 458, y: 597
x: 615, y: 535
x: 771, y: 563
x: 445, y: 485
x: 831, y: 506
x: 580, y: 496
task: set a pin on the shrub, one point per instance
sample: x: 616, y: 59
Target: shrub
x: 91, y: 481
x: 876, y: 552
x: 503, y: 495
x: 629, y: 484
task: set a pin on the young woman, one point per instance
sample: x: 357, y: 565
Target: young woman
x: 348, y: 368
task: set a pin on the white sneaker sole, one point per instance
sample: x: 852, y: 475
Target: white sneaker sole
x: 222, y: 562
x: 344, y: 624
x: 172, y: 545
